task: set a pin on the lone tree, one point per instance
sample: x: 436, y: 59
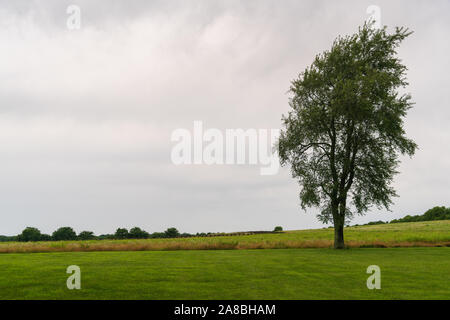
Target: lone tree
x: 345, y: 131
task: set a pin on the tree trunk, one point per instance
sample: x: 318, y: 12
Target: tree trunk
x: 339, y: 234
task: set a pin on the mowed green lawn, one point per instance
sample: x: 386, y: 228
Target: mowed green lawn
x: 406, y: 273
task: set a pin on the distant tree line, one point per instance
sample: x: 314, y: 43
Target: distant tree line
x: 67, y: 233
x: 436, y: 213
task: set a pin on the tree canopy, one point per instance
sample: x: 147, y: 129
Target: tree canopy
x: 345, y: 131
x: 64, y: 233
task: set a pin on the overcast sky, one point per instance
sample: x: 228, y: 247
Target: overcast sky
x: 86, y: 115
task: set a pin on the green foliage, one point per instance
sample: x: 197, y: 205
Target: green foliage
x: 278, y: 229
x: 201, y: 234
x: 8, y: 238
x: 185, y: 235
x: 105, y: 237
x: 345, y: 131
x: 376, y: 222
x: 121, y: 233
x: 157, y: 235
x: 64, y: 233
x: 138, y: 233
x: 46, y: 237
x: 86, y: 235
x: 436, y: 213
x: 171, y: 233
x: 30, y: 234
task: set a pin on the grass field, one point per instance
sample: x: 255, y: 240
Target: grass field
x: 431, y: 233
x: 414, y: 259
x: 406, y: 273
